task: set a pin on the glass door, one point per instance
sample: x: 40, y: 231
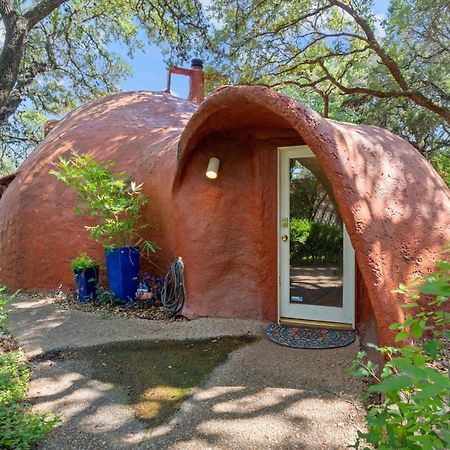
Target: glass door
x: 316, y: 259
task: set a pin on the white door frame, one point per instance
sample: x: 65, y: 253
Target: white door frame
x: 287, y: 310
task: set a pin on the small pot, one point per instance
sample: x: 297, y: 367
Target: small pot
x: 87, y: 282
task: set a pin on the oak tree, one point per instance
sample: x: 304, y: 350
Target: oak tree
x: 56, y: 54
x: 343, y: 59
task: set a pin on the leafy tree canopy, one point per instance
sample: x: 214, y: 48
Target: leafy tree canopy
x: 338, y: 56
x: 56, y: 54
x: 343, y: 59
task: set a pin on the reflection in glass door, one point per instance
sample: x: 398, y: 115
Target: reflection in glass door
x: 315, y: 252
x: 316, y: 247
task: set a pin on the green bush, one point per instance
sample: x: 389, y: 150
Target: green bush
x: 441, y: 162
x: 83, y: 262
x: 315, y: 241
x: 5, y: 300
x: 19, y: 427
x: 414, y: 382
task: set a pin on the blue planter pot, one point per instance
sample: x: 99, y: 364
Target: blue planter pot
x: 87, y: 282
x: 123, y: 270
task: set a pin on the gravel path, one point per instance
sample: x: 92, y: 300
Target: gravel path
x: 264, y: 397
x: 42, y: 326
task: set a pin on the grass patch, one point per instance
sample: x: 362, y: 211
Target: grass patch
x: 156, y: 376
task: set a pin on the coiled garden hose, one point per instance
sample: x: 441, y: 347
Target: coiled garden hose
x: 173, y: 294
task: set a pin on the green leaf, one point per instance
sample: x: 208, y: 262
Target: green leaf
x: 438, y: 288
x: 401, y: 336
x: 430, y: 391
x: 417, y: 329
x: 393, y: 383
x: 361, y: 372
x: 432, y: 347
x: 409, y: 305
x: 417, y: 373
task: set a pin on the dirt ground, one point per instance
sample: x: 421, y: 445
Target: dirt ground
x: 262, y: 396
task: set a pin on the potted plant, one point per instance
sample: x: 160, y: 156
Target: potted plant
x: 115, y: 202
x: 86, y: 271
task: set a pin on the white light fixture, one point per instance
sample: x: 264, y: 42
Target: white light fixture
x: 213, y: 168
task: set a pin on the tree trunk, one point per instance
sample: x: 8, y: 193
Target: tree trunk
x: 16, y: 34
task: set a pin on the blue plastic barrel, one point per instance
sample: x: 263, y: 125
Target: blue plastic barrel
x: 87, y: 281
x: 123, y: 270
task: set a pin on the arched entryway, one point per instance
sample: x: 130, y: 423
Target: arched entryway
x: 392, y: 202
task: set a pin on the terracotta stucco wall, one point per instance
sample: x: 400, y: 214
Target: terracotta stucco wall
x: 222, y: 242
x: 39, y: 232
x: 229, y: 234
x: 394, y: 205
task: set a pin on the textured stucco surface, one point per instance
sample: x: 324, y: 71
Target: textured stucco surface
x: 40, y: 233
x: 395, y: 207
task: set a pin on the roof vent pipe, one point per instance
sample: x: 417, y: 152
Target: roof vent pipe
x: 196, y: 80
x: 197, y: 63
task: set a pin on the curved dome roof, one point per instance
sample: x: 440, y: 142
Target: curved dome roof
x: 139, y: 108
x: 138, y: 131
x: 394, y: 205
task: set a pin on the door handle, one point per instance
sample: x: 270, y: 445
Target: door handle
x: 284, y: 237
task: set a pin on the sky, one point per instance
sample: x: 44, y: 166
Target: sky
x: 149, y: 71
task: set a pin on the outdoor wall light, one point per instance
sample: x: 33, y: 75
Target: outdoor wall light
x: 213, y: 168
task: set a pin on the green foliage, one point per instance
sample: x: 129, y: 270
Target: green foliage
x: 7, y: 166
x: 441, y: 162
x: 414, y: 382
x: 313, y: 241
x: 344, y: 59
x: 19, y: 427
x: 83, y: 262
x: 66, y: 61
x: 105, y: 296
x: 5, y: 300
x: 111, y: 198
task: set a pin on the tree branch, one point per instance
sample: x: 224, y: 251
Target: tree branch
x: 311, y: 83
x: 12, y: 101
x: 414, y: 95
x: 41, y: 11
x: 390, y: 64
x: 280, y: 28
x: 6, y: 7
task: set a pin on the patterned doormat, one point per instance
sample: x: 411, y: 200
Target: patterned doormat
x: 309, y: 337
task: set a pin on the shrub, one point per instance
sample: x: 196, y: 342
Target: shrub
x: 19, y: 427
x: 83, y: 262
x: 315, y: 241
x: 4, y: 313
x: 441, y: 162
x: 414, y: 413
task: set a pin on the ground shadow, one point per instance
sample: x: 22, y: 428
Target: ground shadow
x: 150, y: 377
